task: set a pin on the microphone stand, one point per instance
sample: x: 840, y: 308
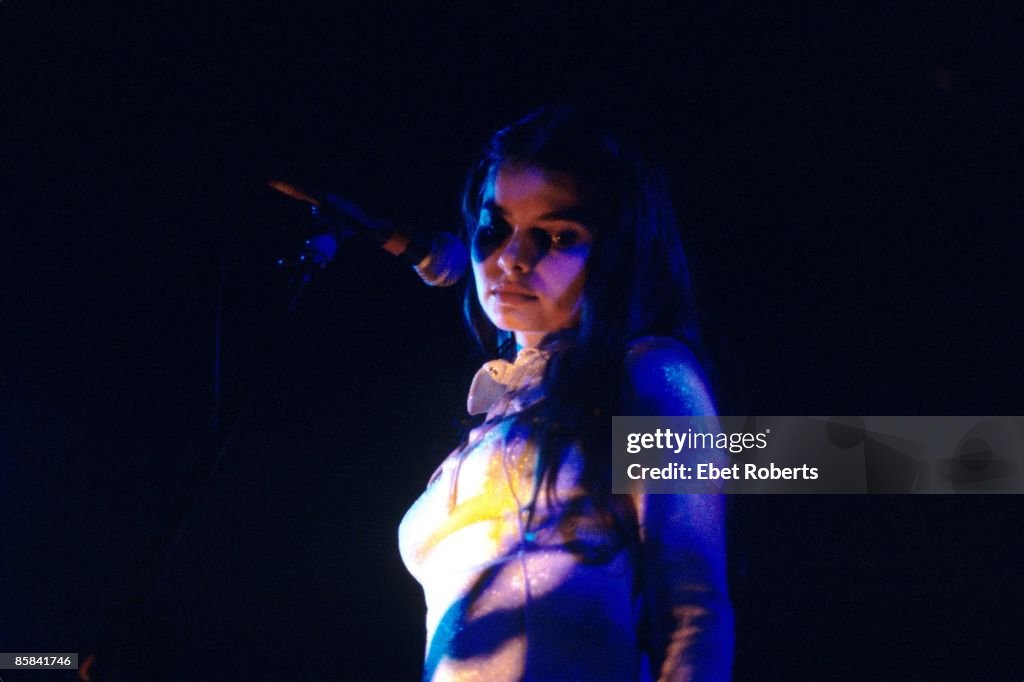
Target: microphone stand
x: 316, y: 253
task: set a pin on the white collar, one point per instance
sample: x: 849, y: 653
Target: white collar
x: 499, y: 378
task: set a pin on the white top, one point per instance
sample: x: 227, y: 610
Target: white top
x: 557, y: 603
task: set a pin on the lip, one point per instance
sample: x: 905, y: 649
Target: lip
x: 506, y: 294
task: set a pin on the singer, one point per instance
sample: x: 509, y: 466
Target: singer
x: 531, y: 568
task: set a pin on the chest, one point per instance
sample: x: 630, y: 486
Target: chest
x: 476, y: 507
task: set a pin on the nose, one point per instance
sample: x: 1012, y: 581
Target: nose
x: 519, y: 254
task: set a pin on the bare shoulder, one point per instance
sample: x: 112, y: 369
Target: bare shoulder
x: 663, y: 377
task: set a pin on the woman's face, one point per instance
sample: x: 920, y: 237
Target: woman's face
x: 530, y: 251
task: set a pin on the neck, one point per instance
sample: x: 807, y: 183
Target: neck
x: 549, y: 341
x: 528, y: 340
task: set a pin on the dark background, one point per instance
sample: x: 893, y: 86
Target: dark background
x: 849, y: 181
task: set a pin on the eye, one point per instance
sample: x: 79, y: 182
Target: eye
x: 564, y: 239
x: 491, y: 233
x: 488, y: 237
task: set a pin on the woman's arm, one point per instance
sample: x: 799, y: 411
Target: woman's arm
x: 683, y: 569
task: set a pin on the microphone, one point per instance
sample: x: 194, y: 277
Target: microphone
x: 439, y: 258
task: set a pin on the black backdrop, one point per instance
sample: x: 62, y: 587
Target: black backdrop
x: 849, y: 183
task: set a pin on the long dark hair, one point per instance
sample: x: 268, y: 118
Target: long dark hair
x: 637, y: 281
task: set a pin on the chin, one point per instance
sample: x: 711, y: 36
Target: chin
x: 509, y: 322
x: 506, y: 325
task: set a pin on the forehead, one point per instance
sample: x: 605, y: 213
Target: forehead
x: 531, y: 189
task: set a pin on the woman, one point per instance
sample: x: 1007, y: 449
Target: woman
x: 531, y: 568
